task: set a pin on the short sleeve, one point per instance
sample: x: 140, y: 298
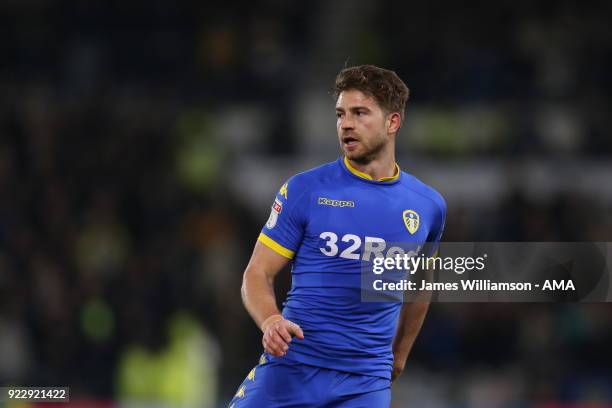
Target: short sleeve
x: 284, y: 230
x: 435, y: 234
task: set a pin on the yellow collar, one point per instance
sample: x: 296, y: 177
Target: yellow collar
x: 367, y: 176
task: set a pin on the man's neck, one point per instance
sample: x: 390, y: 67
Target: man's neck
x: 380, y: 168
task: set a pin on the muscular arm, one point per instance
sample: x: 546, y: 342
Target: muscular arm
x: 258, y: 283
x: 410, y: 322
x: 259, y: 299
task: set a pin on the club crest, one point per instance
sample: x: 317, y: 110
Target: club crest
x: 411, y: 220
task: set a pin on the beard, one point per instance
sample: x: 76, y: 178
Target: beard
x: 368, y: 152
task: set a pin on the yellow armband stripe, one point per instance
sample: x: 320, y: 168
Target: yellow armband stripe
x: 275, y: 246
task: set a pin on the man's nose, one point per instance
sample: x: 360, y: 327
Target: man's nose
x: 346, y: 122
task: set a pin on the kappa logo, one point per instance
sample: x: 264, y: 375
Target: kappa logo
x: 283, y: 191
x: 251, y: 375
x: 335, y: 203
x: 411, y: 220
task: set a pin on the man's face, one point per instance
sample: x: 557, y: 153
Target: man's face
x: 361, y: 125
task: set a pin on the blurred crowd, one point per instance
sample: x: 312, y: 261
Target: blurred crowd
x: 123, y: 234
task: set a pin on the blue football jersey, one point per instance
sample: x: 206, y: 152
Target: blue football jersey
x: 321, y: 219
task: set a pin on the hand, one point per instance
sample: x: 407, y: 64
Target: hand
x: 277, y: 335
x: 398, y: 367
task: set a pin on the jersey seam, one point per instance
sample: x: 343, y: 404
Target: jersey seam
x: 293, y: 209
x: 291, y: 214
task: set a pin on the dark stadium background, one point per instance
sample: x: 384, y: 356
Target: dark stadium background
x: 142, y: 142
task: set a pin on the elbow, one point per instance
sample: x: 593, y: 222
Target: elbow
x: 244, y: 286
x: 243, y: 289
x: 243, y: 294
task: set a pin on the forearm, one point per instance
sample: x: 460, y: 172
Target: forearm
x: 258, y: 297
x: 410, y: 322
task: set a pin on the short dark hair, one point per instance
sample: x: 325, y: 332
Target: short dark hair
x: 389, y: 91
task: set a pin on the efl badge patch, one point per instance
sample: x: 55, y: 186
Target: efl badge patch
x: 277, y: 207
x: 411, y: 220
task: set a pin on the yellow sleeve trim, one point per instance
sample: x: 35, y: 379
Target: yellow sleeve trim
x: 275, y: 246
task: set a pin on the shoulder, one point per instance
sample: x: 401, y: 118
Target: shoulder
x: 308, y: 179
x: 301, y: 184
x: 417, y: 186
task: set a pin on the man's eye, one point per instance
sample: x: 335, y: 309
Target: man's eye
x: 338, y: 114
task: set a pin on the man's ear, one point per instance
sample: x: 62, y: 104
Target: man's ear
x: 394, y: 120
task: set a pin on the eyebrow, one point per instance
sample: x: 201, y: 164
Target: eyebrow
x: 353, y: 108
